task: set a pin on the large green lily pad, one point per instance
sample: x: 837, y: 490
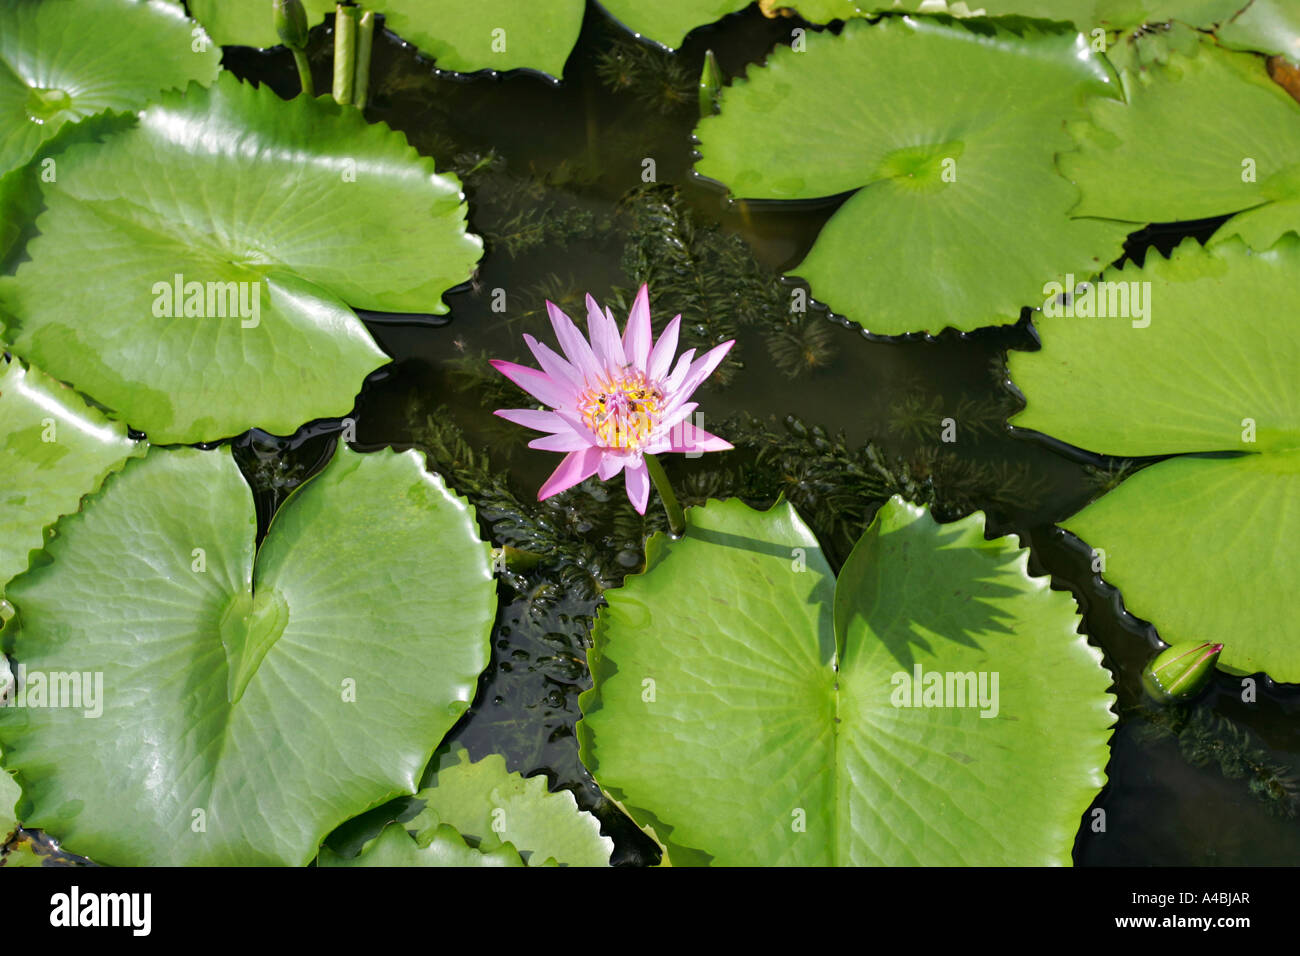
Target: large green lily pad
x: 280, y: 214
x: 54, y: 448
x: 960, y: 217
x: 1153, y: 158
x: 64, y: 60
x: 745, y: 701
x: 460, y: 35
x: 251, y: 701
x: 1203, y: 547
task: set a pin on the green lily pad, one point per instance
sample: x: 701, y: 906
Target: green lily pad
x: 667, y: 22
x: 460, y: 35
x: 1203, y: 545
x: 1154, y: 158
x: 54, y: 448
x: 927, y: 241
x: 20, y: 189
x: 750, y: 708
x: 276, y: 217
x: 445, y: 847
x: 470, y: 35
x: 1268, y: 26
x: 250, y: 702
x: 492, y: 806
x: 63, y: 60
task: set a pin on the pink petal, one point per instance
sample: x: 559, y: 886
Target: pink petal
x: 661, y: 356
x: 535, y: 383
x: 533, y: 418
x: 554, y: 366
x: 703, y: 368
x: 638, y: 486
x: 674, y: 381
x: 575, y: 346
x: 579, y: 426
x: 610, y: 465
x: 674, y: 414
x: 686, y: 437
x: 636, y: 337
x: 564, y: 441
x: 604, y: 338
x: 577, y: 466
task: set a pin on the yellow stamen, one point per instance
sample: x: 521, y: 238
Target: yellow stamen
x: 623, y: 412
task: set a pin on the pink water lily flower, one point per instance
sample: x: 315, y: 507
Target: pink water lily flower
x: 612, y: 400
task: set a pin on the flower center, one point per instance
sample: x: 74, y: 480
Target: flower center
x: 623, y: 413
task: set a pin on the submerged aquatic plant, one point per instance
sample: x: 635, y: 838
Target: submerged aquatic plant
x: 614, y: 402
x: 1205, y: 737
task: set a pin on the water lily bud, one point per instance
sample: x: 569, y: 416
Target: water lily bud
x: 710, y: 84
x: 291, y: 23
x: 1180, y: 672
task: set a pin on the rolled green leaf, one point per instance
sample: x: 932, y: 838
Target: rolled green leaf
x: 304, y: 72
x: 365, y: 41
x: 1181, y: 671
x: 345, y: 53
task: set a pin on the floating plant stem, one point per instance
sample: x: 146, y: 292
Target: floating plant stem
x: 345, y: 52
x: 291, y: 25
x: 676, y: 517
x: 304, y: 73
x: 365, y: 41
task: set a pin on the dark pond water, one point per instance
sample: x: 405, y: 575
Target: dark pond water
x: 834, y: 418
